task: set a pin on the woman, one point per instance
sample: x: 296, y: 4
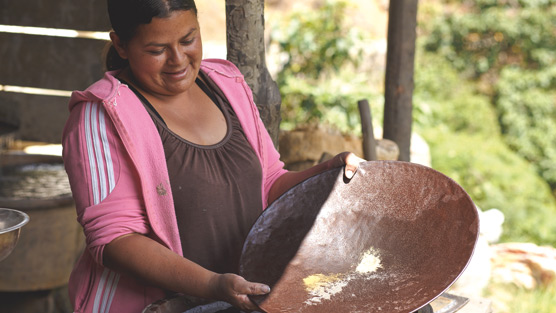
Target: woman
x: 169, y: 165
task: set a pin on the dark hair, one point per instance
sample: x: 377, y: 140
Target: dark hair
x: 126, y: 15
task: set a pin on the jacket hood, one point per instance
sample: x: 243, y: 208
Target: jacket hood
x: 104, y: 90
x: 223, y: 67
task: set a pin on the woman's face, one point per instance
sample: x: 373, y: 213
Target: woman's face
x: 165, y: 55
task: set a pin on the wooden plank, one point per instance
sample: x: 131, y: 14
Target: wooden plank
x: 399, y: 74
x: 47, y: 62
x: 69, y: 14
x: 9, y: 110
x: 40, y: 118
x: 50, y: 62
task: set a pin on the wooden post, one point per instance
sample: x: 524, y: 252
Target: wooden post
x: 246, y: 49
x: 369, y: 143
x: 402, y: 23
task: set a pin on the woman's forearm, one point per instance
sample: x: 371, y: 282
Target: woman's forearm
x: 149, y: 261
x: 290, y: 179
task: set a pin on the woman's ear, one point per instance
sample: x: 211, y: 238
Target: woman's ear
x: 118, y: 45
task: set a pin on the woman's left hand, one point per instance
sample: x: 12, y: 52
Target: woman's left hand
x: 351, y: 162
x: 235, y: 290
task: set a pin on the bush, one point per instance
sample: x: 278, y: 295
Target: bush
x: 331, y: 101
x: 318, y: 79
x: 443, y: 97
x: 478, y: 36
x: 526, y: 103
x: 508, y: 48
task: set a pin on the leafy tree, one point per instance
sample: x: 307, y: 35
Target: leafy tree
x: 317, y: 79
x: 479, y: 36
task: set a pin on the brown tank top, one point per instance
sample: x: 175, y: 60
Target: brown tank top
x: 216, y: 189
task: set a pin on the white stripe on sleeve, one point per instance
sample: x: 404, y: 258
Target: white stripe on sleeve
x: 102, y: 182
x: 106, y: 147
x: 98, y: 151
x: 91, y: 154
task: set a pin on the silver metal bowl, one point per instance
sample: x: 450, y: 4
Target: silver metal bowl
x: 11, y: 222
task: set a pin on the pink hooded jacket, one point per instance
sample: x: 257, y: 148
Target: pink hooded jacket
x: 117, y: 169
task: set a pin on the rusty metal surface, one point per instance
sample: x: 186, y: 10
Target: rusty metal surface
x: 391, y: 240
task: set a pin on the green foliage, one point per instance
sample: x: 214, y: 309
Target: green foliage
x: 490, y: 34
x: 509, y: 46
x: 442, y: 97
x: 332, y: 101
x: 526, y: 103
x: 317, y: 80
x: 495, y: 177
x: 316, y: 42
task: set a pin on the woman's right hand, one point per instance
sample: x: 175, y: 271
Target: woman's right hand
x: 234, y: 289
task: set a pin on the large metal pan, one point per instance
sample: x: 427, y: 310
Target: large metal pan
x: 392, y: 239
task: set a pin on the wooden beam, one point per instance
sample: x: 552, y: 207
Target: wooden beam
x: 90, y: 15
x: 46, y: 62
x: 402, y: 23
x: 50, y: 62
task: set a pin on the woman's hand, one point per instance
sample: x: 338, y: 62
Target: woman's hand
x: 142, y: 258
x: 235, y: 289
x: 351, y: 162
